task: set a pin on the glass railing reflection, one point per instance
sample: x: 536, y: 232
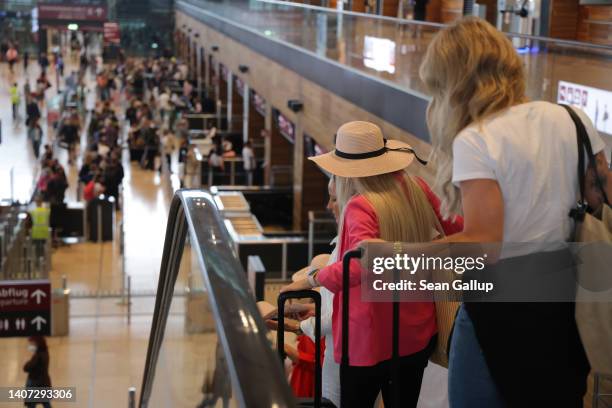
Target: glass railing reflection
x: 192, y: 369
x: 391, y: 49
x: 211, y: 336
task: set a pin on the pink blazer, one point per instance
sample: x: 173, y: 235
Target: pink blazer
x: 370, y: 323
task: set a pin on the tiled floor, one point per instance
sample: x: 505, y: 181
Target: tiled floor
x: 15, y: 151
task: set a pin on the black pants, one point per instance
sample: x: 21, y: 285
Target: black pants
x: 360, y: 385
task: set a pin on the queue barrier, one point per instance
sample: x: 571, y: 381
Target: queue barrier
x: 100, y: 213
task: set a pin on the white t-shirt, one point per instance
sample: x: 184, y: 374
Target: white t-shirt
x: 531, y: 150
x: 164, y: 101
x: 248, y: 158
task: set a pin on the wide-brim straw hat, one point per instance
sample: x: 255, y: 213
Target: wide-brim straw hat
x: 318, y: 262
x: 362, y: 151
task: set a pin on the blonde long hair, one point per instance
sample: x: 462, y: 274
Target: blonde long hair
x: 472, y: 71
x: 403, y: 211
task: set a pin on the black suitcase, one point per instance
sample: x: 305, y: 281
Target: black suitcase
x: 344, y: 362
x: 317, y: 401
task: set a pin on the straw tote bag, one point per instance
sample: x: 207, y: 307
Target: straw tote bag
x: 594, y: 229
x: 446, y: 311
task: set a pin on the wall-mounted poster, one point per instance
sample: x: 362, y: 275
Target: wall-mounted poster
x: 259, y: 103
x: 285, y: 126
x: 239, y: 86
x: 596, y: 103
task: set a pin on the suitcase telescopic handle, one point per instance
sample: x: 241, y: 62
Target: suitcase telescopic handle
x: 346, y: 263
x: 280, y: 333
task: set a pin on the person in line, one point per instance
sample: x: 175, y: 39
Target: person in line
x: 131, y: 113
x: 35, y: 134
x: 69, y: 135
x: 165, y: 107
x: 47, y: 153
x: 248, y: 161
x: 378, y: 199
x: 113, y: 177
x: 42, y: 84
x: 26, y: 61
x: 40, y: 216
x: 168, y: 142
x: 32, y: 109
x: 83, y: 63
x: 43, y: 62
x: 102, y: 83
x: 151, y: 143
x: 509, y: 165
x: 192, y: 167
x: 216, y: 162
x: 59, y: 70
x: 88, y: 169
x: 94, y: 188
x: 56, y: 185
x: 37, y: 367
x: 15, y: 100
x: 11, y: 57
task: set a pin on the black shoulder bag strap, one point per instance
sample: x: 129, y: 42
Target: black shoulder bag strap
x: 584, y: 146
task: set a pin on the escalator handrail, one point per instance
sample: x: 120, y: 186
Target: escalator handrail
x: 256, y: 375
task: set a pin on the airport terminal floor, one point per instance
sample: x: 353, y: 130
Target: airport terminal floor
x: 241, y: 209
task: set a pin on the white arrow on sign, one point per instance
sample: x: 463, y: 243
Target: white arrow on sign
x: 20, y: 324
x: 38, y: 321
x: 38, y: 294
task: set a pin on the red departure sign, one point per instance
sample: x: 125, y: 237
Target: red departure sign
x: 25, y: 308
x: 72, y: 13
x: 111, y: 33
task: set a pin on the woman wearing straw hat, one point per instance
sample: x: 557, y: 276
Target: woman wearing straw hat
x: 378, y: 199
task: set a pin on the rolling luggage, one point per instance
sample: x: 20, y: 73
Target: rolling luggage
x: 317, y: 401
x: 344, y: 362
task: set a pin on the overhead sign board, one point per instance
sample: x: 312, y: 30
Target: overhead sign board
x: 69, y: 13
x: 25, y: 308
x: 111, y: 33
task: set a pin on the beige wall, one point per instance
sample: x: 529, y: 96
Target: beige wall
x: 321, y: 116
